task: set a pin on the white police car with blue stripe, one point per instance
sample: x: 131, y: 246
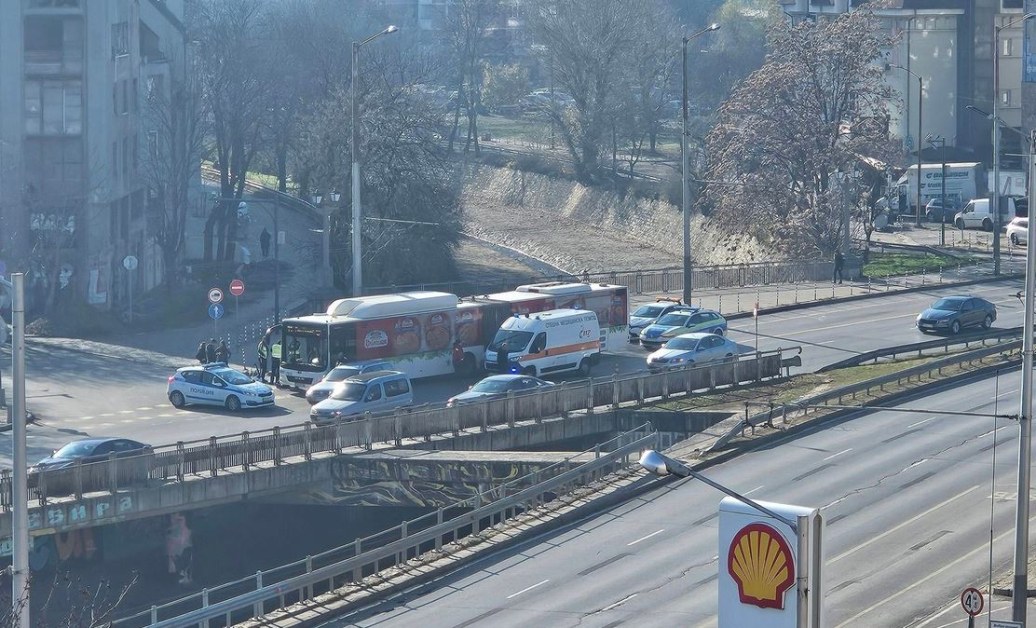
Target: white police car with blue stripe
x: 217, y: 384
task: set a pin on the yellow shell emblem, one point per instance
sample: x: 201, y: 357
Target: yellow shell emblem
x: 761, y: 563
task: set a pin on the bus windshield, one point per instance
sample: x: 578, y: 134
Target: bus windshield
x: 305, y: 347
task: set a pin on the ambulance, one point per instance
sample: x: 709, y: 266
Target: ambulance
x: 545, y: 343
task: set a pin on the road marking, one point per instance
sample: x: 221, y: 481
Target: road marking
x: 844, y: 451
x: 753, y: 490
x: 619, y: 603
x: 922, y: 422
x: 526, y: 589
x: 129, y: 420
x: 644, y: 538
x: 885, y: 600
x: 905, y: 523
x: 126, y: 411
x: 105, y: 424
x: 107, y: 414
x: 145, y: 408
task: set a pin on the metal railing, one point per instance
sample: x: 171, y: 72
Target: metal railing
x: 295, y: 582
x: 981, y: 337
x: 238, y: 452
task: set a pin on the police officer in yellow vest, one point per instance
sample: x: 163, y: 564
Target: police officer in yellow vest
x: 275, y: 372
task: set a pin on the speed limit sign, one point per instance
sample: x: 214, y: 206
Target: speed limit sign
x: 971, y: 600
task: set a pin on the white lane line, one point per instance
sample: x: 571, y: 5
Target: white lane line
x: 905, y: 523
x: 128, y: 420
x: 644, y: 538
x: 126, y: 411
x: 526, y: 589
x: 758, y: 488
x: 619, y: 603
x: 81, y: 418
x: 921, y: 422
x: 145, y: 408
x: 844, y: 451
x: 885, y: 600
x: 105, y: 424
x: 108, y: 414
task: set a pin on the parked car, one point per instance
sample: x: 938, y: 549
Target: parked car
x: 976, y: 214
x: 681, y: 322
x: 380, y: 391
x: 91, y: 450
x: 649, y: 313
x: 322, y: 389
x: 498, y: 386
x: 935, y: 212
x: 692, y: 349
x: 951, y: 314
x: 540, y: 100
x: 1018, y: 231
x: 217, y: 384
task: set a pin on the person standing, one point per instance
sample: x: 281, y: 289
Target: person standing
x: 839, y: 264
x: 210, y: 351
x: 503, y: 359
x: 458, y: 357
x: 202, y: 354
x: 264, y: 243
x: 223, y: 352
x: 262, y: 352
x: 275, y: 372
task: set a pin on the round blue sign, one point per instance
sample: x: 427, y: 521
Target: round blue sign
x: 216, y: 311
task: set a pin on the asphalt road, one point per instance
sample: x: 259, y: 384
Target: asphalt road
x: 77, y: 393
x: 910, y: 502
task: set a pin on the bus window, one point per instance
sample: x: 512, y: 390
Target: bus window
x: 343, y: 343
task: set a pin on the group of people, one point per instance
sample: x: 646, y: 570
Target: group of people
x: 209, y: 352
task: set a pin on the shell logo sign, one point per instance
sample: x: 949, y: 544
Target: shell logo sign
x: 762, y: 564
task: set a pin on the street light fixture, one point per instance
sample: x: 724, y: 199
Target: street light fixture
x: 685, y: 196
x: 920, y: 135
x: 357, y: 209
x: 994, y: 194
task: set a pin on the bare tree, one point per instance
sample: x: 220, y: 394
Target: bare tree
x: 812, y: 110
x: 67, y: 602
x: 232, y: 53
x: 464, y: 28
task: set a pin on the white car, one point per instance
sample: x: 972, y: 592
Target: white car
x: 217, y: 384
x: 649, y: 313
x: 322, y: 389
x: 1018, y: 231
x: 691, y: 350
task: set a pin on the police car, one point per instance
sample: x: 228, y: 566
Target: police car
x: 217, y: 384
x: 680, y: 322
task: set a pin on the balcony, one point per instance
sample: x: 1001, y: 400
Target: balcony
x: 53, y: 62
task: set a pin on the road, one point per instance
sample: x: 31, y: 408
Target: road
x: 910, y: 503
x: 77, y: 393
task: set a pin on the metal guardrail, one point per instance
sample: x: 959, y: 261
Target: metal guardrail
x: 217, y: 454
x: 804, y: 405
x: 921, y: 347
x: 276, y: 588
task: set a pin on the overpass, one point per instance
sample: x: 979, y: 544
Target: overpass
x: 379, y: 459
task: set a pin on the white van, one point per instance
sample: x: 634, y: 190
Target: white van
x: 976, y: 214
x: 380, y: 391
x: 545, y: 343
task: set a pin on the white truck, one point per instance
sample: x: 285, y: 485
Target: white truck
x: 964, y: 180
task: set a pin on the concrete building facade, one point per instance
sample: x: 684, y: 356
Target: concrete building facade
x: 74, y: 77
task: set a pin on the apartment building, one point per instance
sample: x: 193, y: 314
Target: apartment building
x: 73, y: 201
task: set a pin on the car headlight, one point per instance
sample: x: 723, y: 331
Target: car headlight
x: 677, y: 360
x: 450, y: 403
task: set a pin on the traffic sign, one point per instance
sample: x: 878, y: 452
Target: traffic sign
x: 215, y: 311
x: 129, y: 262
x: 1003, y: 623
x: 237, y: 287
x: 971, y: 600
x: 215, y: 295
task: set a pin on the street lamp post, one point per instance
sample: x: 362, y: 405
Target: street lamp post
x: 920, y: 102
x: 357, y: 288
x: 941, y: 141
x: 685, y: 196
x: 994, y: 193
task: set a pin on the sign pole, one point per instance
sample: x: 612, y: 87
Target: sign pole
x: 19, y: 486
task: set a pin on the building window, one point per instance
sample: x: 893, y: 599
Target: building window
x: 49, y: 4
x: 135, y: 96
x: 136, y: 155
x: 125, y: 156
x: 1005, y: 98
x: 115, y: 160
x: 53, y: 107
x: 54, y: 164
x: 120, y: 39
x: 1007, y: 47
x: 1006, y: 5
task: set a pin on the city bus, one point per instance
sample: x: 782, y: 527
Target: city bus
x: 416, y: 331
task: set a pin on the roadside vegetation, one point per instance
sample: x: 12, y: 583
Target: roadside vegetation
x: 896, y: 264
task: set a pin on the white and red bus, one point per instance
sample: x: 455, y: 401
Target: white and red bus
x: 415, y: 331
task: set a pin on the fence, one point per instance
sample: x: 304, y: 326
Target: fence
x: 219, y: 454
x: 276, y: 588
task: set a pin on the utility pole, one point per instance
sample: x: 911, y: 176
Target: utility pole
x: 19, y: 486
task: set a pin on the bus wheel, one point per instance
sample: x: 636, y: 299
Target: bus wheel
x: 584, y: 367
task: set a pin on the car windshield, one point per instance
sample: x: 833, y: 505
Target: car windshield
x: 349, y: 391
x: 516, y: 340
x: 76, y: 450
x: 952, y: 304
x: 339, y: 373
x: 674, y: 319
x: 648, y: 311
x: 491, y: 386
x: 234, y: 378
x: 685, y: 344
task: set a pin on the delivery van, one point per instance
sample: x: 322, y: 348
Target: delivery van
x: 544, y: 343
x: 965, y: 180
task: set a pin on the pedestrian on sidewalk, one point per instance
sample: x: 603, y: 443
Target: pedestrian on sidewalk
x: 839, y: 264
x: 275, y: 371
x: 210, y: 351
x: 264, y: 242
x: 201, y: 354
x: 223, y: 352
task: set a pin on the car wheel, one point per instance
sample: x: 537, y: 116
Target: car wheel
x: 233, y: 403
x: 987, y: 322
x: 1014, y: 239
x: 955, y: 328
x: 176, y: 398
x: 584, y: 367
x: 959, y: 223
x: 718, y: 331
x: 929, y: 216
x: 987, y: 225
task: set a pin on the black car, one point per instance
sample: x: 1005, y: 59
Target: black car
x: 951, y: 314
x: 91, y: 450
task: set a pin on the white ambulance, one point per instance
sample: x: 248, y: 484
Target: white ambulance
x: 545, y: 343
